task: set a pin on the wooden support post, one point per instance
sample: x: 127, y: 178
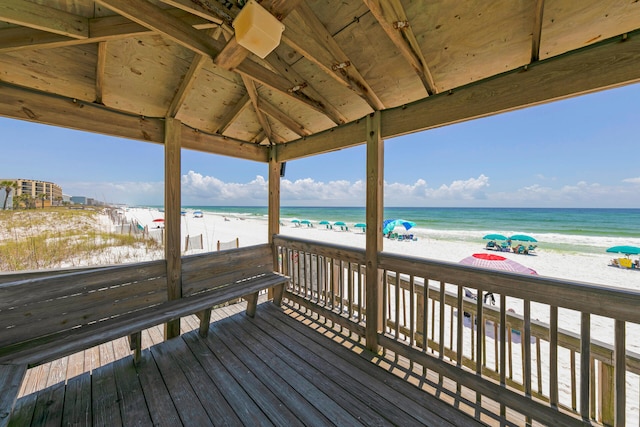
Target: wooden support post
x: 172, y: 242
x: 252, y: 304
x: 274, y: 212
x: 135, y: 344
x: 375, y: 181
x: 205, y: 320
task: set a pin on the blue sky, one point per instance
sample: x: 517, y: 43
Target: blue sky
x: 581, y: 152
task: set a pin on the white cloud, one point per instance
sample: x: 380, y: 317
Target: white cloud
x: 198, y: 189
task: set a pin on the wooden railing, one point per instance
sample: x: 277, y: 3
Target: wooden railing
x: 535, y: 367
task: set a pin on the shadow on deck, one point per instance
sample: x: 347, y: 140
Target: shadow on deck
x: 281, y: 368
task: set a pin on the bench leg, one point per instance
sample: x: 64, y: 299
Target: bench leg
x: 205, y: 320
x: 135, y: 344
x: 278, y: 291
x: 252, y: 303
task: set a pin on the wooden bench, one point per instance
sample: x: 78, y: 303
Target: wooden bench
x: 45, y: 318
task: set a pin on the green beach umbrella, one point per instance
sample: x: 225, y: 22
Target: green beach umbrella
x: 627, y: 250
x: 360, y: 225
x: 522, y: 238
x: 305, y: 222
x: 339, y: 223
x: 324, y: 222
x: 495, y: 237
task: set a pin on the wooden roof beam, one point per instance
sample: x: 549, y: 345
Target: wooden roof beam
x: 536, y: 34
x: 608, y: 64
x: 44, y: 18
x: 283, y: 118
x: 341, y: 64
x: 233, y: 54
x: 100, y: 66
x: 158, y: 20
x: 45, y: 108
x: 306, y: 88
x: 253, y: 95
x: 100, y: 29
x: 392, y: 18
x: 233, y: 113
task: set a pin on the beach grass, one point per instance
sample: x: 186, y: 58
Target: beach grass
x: 60, y: 237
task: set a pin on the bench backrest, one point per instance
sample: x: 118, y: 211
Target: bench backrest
x: 211, y: 270
x: 45, y: 305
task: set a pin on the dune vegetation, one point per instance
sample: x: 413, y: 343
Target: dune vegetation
x: 60, y: 238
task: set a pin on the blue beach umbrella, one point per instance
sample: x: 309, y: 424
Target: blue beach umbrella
x: 495, y: 237
x: 627, y: 250
x: 360, y: 225
x: 389, y: 224
x: 326, y: 223
x: 306, y: 222
x: 339, y: 223
x: 522, y: 238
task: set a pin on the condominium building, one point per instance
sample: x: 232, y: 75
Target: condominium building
x: 35, y: 189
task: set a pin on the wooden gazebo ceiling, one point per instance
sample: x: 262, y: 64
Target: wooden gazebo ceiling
x: 121, y: 66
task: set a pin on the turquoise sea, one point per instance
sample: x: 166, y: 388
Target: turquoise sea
x: 571, y: 230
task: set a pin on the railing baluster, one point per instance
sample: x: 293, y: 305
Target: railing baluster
x: 341, y: 285
x: 360, y: 293
x: 479, y: 331
x: 619, y: 355
x: 386, y: 303
x: 573, y: 381
x: 412, y: 290
x: 442, y: 308
x: 425, y: 317
x: 503, y: 347
x: 538, y: 365
x: 397, y: 301
x: 553, y: 356
x: 460, y: 328
x: 350, y: 290
x: 527, y: 351
x: 451, y: 308
x: 433, y: 322
x: 585, y: 357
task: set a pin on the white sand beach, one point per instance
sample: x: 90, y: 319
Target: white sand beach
x: 578, y: 266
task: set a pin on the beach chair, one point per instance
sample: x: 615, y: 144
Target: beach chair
x: 624, y: 262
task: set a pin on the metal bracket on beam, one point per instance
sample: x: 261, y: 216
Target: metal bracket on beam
x: 399, y: 25
x: 297, y: 88
x: 340, y: 66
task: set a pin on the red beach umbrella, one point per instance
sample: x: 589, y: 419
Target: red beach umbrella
x: 158, y: 220
x: 496, y: 262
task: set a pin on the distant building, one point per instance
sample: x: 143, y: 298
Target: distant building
x: 80, y: 200
x: 35, y: 189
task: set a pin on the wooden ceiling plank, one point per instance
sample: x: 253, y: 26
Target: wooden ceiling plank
x: 253, y: 95
x: 152, y: 17
x: 100, y: 66
x: 609, y: 64
x: 44, y: 18
x: 100, y: 29
x: 233, y: 113
x: 233, y: 54
x: 408, y: 47
x: 296, y: 79
x: 40, y: 107
x: 209, y: 10
x: 290, y: 123
x: 537, y: 31
x: 343, y: 64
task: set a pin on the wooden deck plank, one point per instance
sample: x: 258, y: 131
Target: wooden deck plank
x: 185, y: 399
x: 271, y: 406
x: 77, y: 401
x: 23, y: 411
x: 104, y: 397
x: 388, y: 403
x: 244, y: 407
x: 206, y: 390
x: 363, y: 359
x: 49, y: 406
x: 344, y: 396
x: 133, y: 409
x: 163, y: 411
x: 233, y: 339
x: 333, y: 412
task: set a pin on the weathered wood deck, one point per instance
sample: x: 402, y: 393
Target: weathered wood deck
x: 271, y: 370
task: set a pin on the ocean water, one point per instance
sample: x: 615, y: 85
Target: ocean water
x: 565, y: 230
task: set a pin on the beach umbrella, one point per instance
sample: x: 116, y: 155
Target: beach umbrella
x: 306, y: 222
x: 522, y: 238
x: 361, y: 225
x: 339, y: 223
x: 158, y: 220
x: 496, y: 262
x: 389, y: 224
x: 295, y: 221
x: 326, y: 223
x: 627, y: 250
x: 495, y: 237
